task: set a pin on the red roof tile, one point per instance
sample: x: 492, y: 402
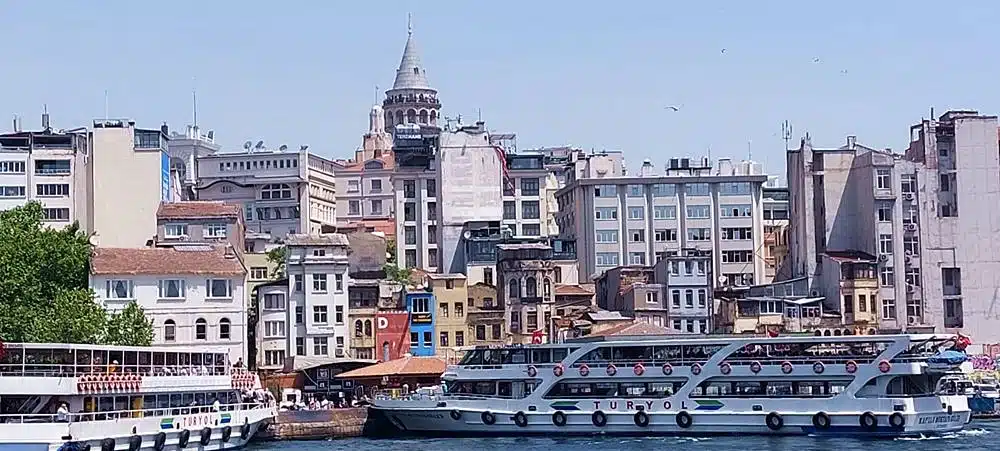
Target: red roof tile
x: 406, y: 366
x: 175, y: 260
x: 197, y: 210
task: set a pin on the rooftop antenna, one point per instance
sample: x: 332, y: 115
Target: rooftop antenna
x: 375, y: 97
x: 194, y: 101
x: 479, y: 111
x: 106, y: 116
x: 786, y: 133
x: 409, y: 24
x: 749, y: 151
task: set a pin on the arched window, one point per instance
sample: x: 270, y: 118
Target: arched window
x: 399, y: 117
x: 201, y: 329
x: 225, y: 328
x: 530, y: 287
x: 385, y: 351
x: 368, y: 327
x: 358, y: 328
x: 547, y: 288
x: 836, y: 333
x: 513, y: 289
x: 818, y: 333
x: 434, y: 117
x: 411, y: 117
x: 275, y: 191
x: 169, y: 330
x: 826, y: 333
x: 423, y: 116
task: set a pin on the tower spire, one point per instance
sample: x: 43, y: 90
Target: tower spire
x: 409, y: 24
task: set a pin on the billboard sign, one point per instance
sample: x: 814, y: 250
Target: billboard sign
x: 392, y: 335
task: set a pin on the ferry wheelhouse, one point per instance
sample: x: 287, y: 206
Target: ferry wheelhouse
x: 80, y: 397
x: 877, y: 385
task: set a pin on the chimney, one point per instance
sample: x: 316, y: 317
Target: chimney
x: 229, y: 252
x: 164, y: 129
x: 851, y: 141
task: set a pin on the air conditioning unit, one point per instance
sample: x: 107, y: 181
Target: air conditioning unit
x: 910, y: 227
x: 912, y: 320
x: 339, y: 352
x: 883, y: 258
x: 908, y: 196
x: 908, y: 253
x: 908, y: 257
x: 910, y: 288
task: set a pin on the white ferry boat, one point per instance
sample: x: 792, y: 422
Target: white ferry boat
x: 80, y: 398
x: 872, y: 385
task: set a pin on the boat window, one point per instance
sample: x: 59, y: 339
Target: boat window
x: 769, y: 389
x: 558, y: 355
x: 504, y: 389
x: 597, y: 355
x: 631, y: 389
x: 491, y: 356
x: 611, y: 390
x: 473, y: 357
x: 662, y: 389
x: 632, y: 353
x: 541, y: 356
x: 779, y: 388
x: 714, y: 389
x: 749, y: 389
x: 514, y: 356
x: 700, y: 352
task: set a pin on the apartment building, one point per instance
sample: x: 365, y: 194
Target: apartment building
x: 193, y: 293
x: 526, y: 197
x: 422, y: 307
x: 638, y: 220
x: 775, y: 250
x: 128, y: 166
x: 365, y: 200
x: 316, y: 316
x: 281, y: 192
x: 485, y: 317
x: 272, y: 320
x: 450, y: 326
x: 526, y: 276
x: 688, y: 284
x: 49, y: 167
x: 904, y: 212
x: 206, y: 222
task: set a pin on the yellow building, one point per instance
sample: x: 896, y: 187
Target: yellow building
x: 451, y: 296
x: 485, y: 316
x: 852, y: 279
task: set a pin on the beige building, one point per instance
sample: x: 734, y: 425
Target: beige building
x: 452, y: 296
x: 129, y: 167
x: 365, y: 199
x: 485, y: 316
x: 526, y: 275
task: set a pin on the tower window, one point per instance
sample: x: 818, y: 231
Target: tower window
x: 416, y: 71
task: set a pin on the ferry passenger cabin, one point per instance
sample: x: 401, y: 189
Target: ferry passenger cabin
x: 69, y: 360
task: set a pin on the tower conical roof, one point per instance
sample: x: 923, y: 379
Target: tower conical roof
x: 411, y: 74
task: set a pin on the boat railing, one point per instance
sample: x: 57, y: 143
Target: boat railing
x: 129, y: 414
x: 70, y: 370
x: 742, y: 361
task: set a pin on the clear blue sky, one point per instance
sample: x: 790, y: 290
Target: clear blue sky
x: 583, y: 73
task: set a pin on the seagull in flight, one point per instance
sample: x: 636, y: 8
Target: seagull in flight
x: 673, y: 108
x: 815, y: 60
x: 723, y: 50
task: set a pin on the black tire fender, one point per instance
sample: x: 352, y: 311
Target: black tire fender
x: 774, y: 421
x: 559, y: 418
x: 684, y: 419
x: 520, y: 419
x: 641, y: 419
x: 600, y: 419
x: 821, y: 420
x: 488, y: 418
x: 206, y: 436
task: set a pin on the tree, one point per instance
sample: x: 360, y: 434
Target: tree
x: 44, y: 283
x: 277, y: 257
x: 397, y: 274
x: 129, y: 327
x: 390, y: 250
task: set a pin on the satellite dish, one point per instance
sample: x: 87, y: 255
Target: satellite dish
x: 247, y: 145
x: 211, y: 134
x: 260, y: 145
x: 303, y: 147
x: 283, y: 148
x: 722, y: 280
x: 466, y: 234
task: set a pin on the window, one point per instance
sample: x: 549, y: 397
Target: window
x: 410, y: 258
x: 908, y: 183
x: 443, y: 340
x: 432, y: 233
x: 911, y: 245
x: 675, y: 298
x: 509, y: 209
x: 885, y: 244
x: 664, y: 235
x: 169, y: 331
x: 338, y: 282
x: 171, y: 289
x: 488, y: 276
x: 697, y: 189
x: 734, y: 189
x: 431, y: 188
x: 912, y: 276
x: 409, y: 211
x: 699, y: 211
x: 862, y: 303
x: 300, y: 346
x: 12, y: 167
x: 12, y: 192
x: 218, y: 288
x: 321, y: 346
x: 319, y: 314
x: 376, y: 186
x: 637, y: 258
x: 338, y: 315
x: 604, y: 213
x: 368, y: 327
x: 297, y: 282
x: 354, y: 208
x: 53, y: 167
x: 953, y: 316
x: 676, y: 324
x: 52, y: 190
x: 420, y: 305
x: 607, y: 259
x: 605, y: 191
x: 883, y: 179
x: 359, y: 329
x: 664, y: 212
x: 737, y: 233
x: 951, y: 281
x: 735, y: 211
x: 225, y: 329
x: 444, y: 309
x: 55, y: 214
x: 319, y: 283
x: 886, y: 276
x: 299, y: 315
x: 258, y: 273
x: 376, y: 207
x: 637, y: 236
x: 432, y: 257
x: 119, y: 289
x: 480, y: 332
x: 945, y: 180
x: 885, y: 212
x: 699, y: 234
x: 529, y: 209
x: 736, y: 257
x: 848, y: 303
x: 702, y: 298
x: 530, y: 287
x: 214, y: 231
x: 428, y: 339
x: 689, y: 298
x: 410, y: 235
x: 663, y: 190
x: 414, y: 339
x: 636, y: 212
x: 531, y: 230
x: 201, y: 329
x: 496, y: 332
x: 278, y: 191
x: 274, y: 358
x: 409, y: 189
x: 635, y: 191
x: 459, y: 338
x: 529, y: 187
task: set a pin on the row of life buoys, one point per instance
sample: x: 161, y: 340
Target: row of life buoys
x: 244, y: 380
x: 725, y: 368
x: 101, y: 383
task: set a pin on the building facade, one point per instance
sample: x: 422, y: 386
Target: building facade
x: 452, y: 298
x: 365, y: 198
x: 526, y: 280
x: 48, y: 167
x: 525, y: 197
x: 206, y: 222
x: 687, y: 279
x: 193, y: 294
x: 485, y: 318
x: 422, y: 308
x: 620, y: 220
x: 776, y: 229
x: 184, y: 150
x: 411, y: 100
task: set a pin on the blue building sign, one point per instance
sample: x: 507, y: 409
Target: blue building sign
x: 165, y: 177
x: 421, y: 307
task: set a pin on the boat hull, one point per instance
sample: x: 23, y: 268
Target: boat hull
x: 442, y: 422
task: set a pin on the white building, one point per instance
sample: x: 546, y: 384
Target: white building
x: 309, y: 316
x: 193, y: 294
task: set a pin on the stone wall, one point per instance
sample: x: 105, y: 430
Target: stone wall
x: 317, y: 424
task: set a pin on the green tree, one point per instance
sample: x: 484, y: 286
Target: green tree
x: 277, y: 257
x: 397, y: 274
x: 129, y: 327
x: 44, y: 282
